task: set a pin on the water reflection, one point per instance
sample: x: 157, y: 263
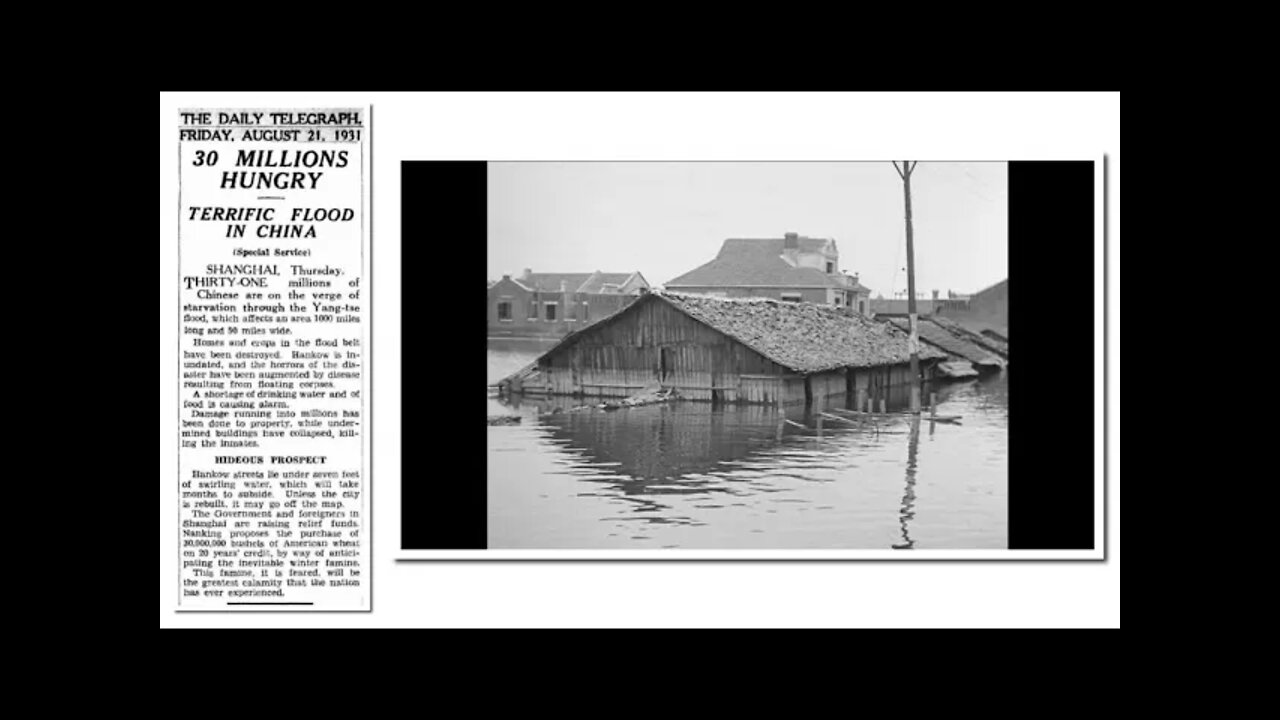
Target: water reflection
x: 688, y: 475
x: 909, y: 497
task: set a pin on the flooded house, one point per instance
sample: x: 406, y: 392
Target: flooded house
x: 967, y: 356
x: 980, y: 319
x: 555, y: 304
x: 994, y: 342
x: 793, y: 267
x: 730, y: 350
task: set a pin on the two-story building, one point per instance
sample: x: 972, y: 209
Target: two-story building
x: 554, y: 304
x: 793, y: 267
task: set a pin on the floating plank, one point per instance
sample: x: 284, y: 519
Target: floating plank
x: 836, y: 417
x: 795, y: 424
x: 876, y: 414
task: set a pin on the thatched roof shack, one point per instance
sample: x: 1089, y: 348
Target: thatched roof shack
x: 804, y: 337
x: 728, y: 350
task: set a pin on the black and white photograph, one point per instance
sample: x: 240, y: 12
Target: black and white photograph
x: 748, y: 355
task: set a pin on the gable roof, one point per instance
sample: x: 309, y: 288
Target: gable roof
x: 803, y: 337
x: 937, y: 335
x: 757, y: 261
x: 508, y: 280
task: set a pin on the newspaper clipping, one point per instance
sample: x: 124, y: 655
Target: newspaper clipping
x: 274, y: 359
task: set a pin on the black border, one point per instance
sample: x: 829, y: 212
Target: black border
x: 1051, y: 334
x: 444, y: 237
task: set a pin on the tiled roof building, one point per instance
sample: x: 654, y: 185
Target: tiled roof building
x: 792, y: 267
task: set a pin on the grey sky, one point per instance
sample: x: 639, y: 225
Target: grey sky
x: 665, y: 219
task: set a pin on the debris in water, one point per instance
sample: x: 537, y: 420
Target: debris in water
x: 649, y: 396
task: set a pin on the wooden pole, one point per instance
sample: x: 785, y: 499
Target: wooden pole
x: 907, y: 168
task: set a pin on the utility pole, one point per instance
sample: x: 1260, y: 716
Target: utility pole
x: 904, y: 172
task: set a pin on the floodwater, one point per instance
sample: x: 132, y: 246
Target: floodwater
x: 687, y: 475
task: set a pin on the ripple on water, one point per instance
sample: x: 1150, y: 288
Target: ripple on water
x: 595, y: 475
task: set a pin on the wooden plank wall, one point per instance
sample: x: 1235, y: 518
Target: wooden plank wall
x: 627, y: 354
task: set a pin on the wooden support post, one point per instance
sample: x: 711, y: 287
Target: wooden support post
x: 914, y: 338
x: 933, y: 403
x: 882, y: 406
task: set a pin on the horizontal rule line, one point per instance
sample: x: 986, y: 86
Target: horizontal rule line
x: 271, y: 603
x: 340, y: 127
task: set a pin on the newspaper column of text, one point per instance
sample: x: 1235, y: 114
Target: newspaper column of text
x: 274, y: 349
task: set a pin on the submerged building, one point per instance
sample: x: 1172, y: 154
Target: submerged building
x: 954, y: 341
x: 746, y: 350
x: 968, y: 355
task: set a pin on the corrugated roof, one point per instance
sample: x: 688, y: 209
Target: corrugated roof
x: 758, y: 261
x: 938, y: 336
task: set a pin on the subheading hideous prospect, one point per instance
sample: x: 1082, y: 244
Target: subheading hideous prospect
x: 733, y: 350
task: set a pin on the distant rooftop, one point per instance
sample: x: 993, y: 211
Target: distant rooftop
x: 758, y: 262
x: 592, y: 282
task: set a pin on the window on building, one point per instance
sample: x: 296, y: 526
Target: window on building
x: 586, y: 314
x: 862, y: 307
x: 551, y: 311
x: 504, y: 310
x: 831, y: 267
x: 533, y: 309
x: 792, y: 297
